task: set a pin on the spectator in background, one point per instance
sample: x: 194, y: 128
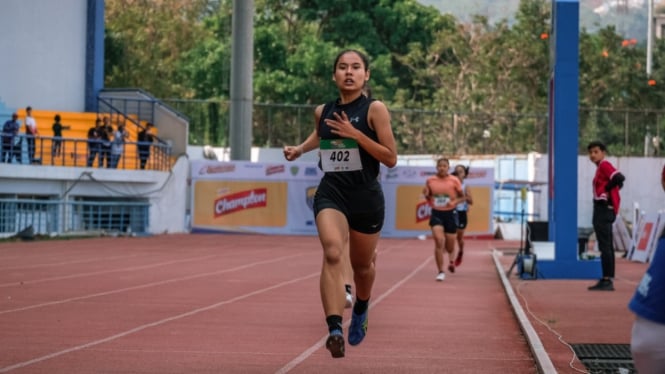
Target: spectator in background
x: 30, y: 133
x: 105, y: 135
x: 117, y: 146
x: 56, y: 144
x: 606, y: 184
x: 647, y: 343
x: 144, y: 142
x: 94, y: 143
x: 10, y: 140
x: 462, y: 207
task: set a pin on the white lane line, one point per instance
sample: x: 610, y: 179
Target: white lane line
x: 81, y: 275
x: 543, y: 360
x: 152, y: 284
x: 153, y: 324
x: 49, y: 264
x: 319, y: 344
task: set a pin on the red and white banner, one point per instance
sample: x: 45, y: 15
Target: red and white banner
x: 644, y: 242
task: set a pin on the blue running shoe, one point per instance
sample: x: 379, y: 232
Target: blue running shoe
x: 358, y: 328
x: 335, y: 343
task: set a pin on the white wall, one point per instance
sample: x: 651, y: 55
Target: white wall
x: 169, y: 205
x: 167, y: 192
x: 43, y: 46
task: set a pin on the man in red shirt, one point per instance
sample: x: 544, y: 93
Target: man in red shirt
x: 606, y: 184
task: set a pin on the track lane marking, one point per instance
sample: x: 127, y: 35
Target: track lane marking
x: 154, y: 324
x: 152, y: 284
x: 319, y: 344
x: 81, y: 275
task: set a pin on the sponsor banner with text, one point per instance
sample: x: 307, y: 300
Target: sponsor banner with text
x: 277, y: 198
x: 243, y: 196
x: 408, y: 213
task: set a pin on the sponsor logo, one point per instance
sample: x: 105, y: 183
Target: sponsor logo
x: 644, y: 236
x: 391, y: 174
x: 294, y: 170
x: 474, y: 174
x: 238, y: 201
x: 355, y: 119
x: 409, y: 173
x: 427, y: 173
x: 309, y: 197
x: 423, y: 211
x: 217, y: 169
x: 275, y: 169
x: 311, y: 172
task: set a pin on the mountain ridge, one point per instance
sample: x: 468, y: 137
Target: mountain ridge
x: 627, y: 16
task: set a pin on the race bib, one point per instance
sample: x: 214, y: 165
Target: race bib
x: 339, y: 155
x: 441, y: 201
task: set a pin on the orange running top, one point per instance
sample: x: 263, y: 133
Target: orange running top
x: 442, y: 193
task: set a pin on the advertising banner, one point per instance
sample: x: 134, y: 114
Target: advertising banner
x: 244, y: 196
x: 408, y: 213
x: 277, y: 198
x: 648, y: 231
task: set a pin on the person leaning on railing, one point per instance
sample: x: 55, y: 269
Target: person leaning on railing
x: 105, y: 135
x: 145, y: 139
x: 117, y: 146
x: 31, y: 132
x: 10, y: 138
x: 94, y: 143
x: 56, y: 143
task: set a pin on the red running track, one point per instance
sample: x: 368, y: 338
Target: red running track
x: 244, y: 304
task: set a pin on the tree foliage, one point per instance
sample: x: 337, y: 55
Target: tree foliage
x: 453, y: 86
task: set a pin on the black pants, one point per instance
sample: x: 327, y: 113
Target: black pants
x: 7, y: 151
x: 56, y: 147
x: 603, y: 218
x: 105, y: 156
x: 144, y: 155
x: 94, y: 149
x: 10, y: 151
x: 31, y: 147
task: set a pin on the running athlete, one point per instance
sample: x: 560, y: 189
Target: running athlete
x: 461, y: 173
x: 354, y: 136
x: 443, y: 192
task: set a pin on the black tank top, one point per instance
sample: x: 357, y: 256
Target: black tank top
x: 357, y: 112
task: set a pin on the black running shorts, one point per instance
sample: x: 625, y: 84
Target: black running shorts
x: 363, y: 206
x: 445, y: 218
x: 462, y: 219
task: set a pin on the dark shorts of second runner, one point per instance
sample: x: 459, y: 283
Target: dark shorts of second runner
x: 462, y: 219
x: 445, y: 218
x: 363, y: 206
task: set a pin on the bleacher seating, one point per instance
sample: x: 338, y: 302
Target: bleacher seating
x: 74, y: 145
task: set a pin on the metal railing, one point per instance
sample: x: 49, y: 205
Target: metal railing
x: 139, y: 106
x: 49, y: 217
x: 81, y: 153
x: 626, y: 132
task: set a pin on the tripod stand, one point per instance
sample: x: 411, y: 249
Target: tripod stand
x: 523, y: 251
